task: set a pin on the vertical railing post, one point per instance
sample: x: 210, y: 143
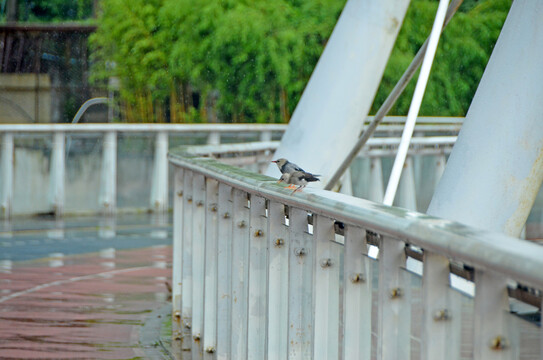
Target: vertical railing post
x: 376, y: 189
x: 357, y: 298
x: 266, y: 135
x: 214, y: 138
x: 326, y: 264
x: 258, y: 260
x: 108, y: 184
x: 407, y: 194
x: 300, y: 317
x: 186, y: 293
x: 210, y: 284
x: 278, y: 241
x: 224, y: 269
x: 198, y: 262
x: 177, y: 257
x: 261, y: 162
x: 346, y: 183
x: 57, y: 174
x: 441, y: 314
x: 491, y: 326
x: 440, y: 163
x: 240, y: 274
x: 394, y: 313
x: 159, y: 185
x: 6, y: 192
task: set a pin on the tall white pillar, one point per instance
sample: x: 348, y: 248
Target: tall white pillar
x: 496, y: 167
x: 330, y: 115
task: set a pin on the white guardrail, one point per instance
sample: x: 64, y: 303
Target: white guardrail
x: 259, y: 273
x: 108, y: 179
x: 436, y: 135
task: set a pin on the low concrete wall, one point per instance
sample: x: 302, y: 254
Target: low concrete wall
x: 25, y: 98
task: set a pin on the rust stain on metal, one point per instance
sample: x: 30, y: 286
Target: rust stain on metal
x: 527, y: 193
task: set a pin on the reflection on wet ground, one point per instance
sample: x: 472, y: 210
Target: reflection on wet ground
x: 82, y: 306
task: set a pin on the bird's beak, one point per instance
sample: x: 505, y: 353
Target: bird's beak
x: 274, y: 161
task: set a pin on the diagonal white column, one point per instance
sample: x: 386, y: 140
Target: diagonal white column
x: 328, y: 119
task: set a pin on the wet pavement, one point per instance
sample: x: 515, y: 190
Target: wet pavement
x: 79, y: 305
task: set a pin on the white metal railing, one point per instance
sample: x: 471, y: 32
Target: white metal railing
x: 435, y: 135
x: 260, y: 273
x: 109, y: 132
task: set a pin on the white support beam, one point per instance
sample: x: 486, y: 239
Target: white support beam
x: 492, y: 179
x: 329, y: 116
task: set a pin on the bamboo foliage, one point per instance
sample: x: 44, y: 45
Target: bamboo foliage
x: 249, y: 61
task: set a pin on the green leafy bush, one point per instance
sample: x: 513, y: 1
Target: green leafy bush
x: 249, y: 60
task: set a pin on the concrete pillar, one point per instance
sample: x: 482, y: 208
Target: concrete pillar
x: 496, y: 167
x: 335, y: 102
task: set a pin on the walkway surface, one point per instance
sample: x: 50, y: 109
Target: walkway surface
x: 86, y: 305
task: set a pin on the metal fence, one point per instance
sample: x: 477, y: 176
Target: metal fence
x: 261, y: 273
x: 85, y: 167
x: 60, y: 140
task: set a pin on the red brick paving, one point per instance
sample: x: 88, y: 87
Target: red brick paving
x: 90, y: 307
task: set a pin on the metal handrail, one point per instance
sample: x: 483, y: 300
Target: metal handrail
x: 119, y: 127
x: 484, y: 250
x: 257, y: 270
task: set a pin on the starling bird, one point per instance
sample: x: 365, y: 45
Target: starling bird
x: 300, y: 178
x: 286, y: 167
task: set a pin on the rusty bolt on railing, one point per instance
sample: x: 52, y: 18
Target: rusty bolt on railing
x: 241, y: 224
x: 189, y: 199
x: 299, y: 251
x: 180, y: 193
x: 210, y: 349
x: 196, y: 337
x: 326, y: 263
x: 279, y: 242
x: 177, y: 335
x: 226, y: 215
x: 187, y: 325
x: 200, y: 203
x: 499, y: 343
x: 357, y: 277
x: 396, y: 293
x: 213, y: 208
x: 177, y: 314
x: 259, y: 233
x: 442, y: 315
